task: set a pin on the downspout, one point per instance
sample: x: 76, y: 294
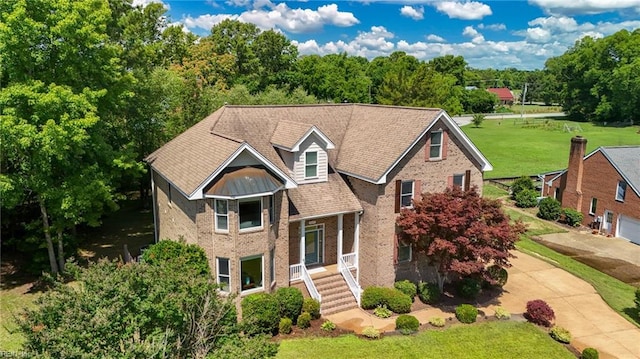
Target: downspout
x: 155, y: 206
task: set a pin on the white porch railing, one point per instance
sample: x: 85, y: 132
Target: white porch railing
x: 349, y: 259
x: 299, y: 271
x: 345, y: 270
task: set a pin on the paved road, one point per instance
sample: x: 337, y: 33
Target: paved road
x: 465, y: 120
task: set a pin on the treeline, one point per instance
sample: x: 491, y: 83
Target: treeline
x: 88, y: 88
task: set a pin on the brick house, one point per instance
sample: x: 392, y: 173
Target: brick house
x: 284, y: 195
x: 604, y: 185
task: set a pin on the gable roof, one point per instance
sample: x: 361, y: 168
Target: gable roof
x: 369, y: 140
x: 289, y: 135
x: 502, y: 92
x: 626, y: 160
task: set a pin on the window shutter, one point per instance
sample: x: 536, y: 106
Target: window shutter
x: 467, y: 180
x: 450, y: 182
x: 395, y: 248
x: 445, y: 144
x: 398, y: 191
x: 417, y: 190
x: 427, y: 148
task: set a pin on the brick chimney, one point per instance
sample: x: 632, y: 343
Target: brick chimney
x: 572, y: 194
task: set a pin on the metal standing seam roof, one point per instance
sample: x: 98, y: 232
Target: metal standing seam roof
x: 244, y: 182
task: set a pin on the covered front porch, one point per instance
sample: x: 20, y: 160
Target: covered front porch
x: 321, y: 247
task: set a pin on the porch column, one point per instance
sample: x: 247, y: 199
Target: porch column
x: 356, y: 243
x: 340, y: 218
x: 302, y: 240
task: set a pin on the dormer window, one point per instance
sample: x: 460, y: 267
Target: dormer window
x: 311, y: 164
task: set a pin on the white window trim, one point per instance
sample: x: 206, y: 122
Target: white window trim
x: 252, y: 290
x: 618, y: 191
x: 169, y: 196
x: 215, y: 209
x: 313, y: 164
x: 440, y: 145
x: 272, y: 209
x: 461, y: 182
x: 592, y: 210
x: 400, y: 244
x: 413, y: 189
x: 272, y: 266
x: 218, y: 274
x: 252, y: 229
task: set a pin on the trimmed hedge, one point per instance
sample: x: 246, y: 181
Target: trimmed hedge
x: 539, y: 312
x: 469, y: 287
x: 572, y: 217
x: 590, y: 353
x: 260, y: 314
x: 560, y: 334
x: 527, y: 198
x: 285, y: 325
x: 407, y: 324
x: 312, y: 307
x: 290, y: 300
x: 549, y: 209
x: 521, y: 184
x: 406, y: 287
x: 498, y: 274
x: 429, y: 293
x: 304, y: 320
x: 395, y: 300
x: 466, y: 313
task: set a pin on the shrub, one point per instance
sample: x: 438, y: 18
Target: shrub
x: 560, y: 334
x: 382, y: 312
x: 371, y: 333
x: 466, y: 313
x: 188, y: 257
x: 469, y: 287
x: 394, y: 299
x: 304, y: 320
x: 590, y: 353
x: 328, y: 326
x: 406, y: 287
x: 290, y: 300
x: 539, y: 312
x: 572, y: 217
x: 437, y: 321
x: 312, y: 307
x: 260, y: 314
x: 521, y: 184
x: 527, y: 198
x: 498, y: 274
x: 549, y: 209
x: 637, y: 300
x: 477, y: 120
x: 407, y: 324
x: 285, y: 326
x: 429, y: 293
x: 502, y: 313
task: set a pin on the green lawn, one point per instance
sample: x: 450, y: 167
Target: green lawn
x: 515, y: 149
x: 12, y: 304
x: 494, y: 192
x: 536, y: 109
x: 493, y: 340
x: 535, y: 226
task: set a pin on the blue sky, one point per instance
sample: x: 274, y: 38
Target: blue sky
x: 489, y: 34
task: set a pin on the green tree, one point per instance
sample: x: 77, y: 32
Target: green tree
x: 451, y: 65
x: 479, y: 101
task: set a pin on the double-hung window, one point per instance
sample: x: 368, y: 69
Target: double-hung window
x: 435, y: 150
x: 250, y: 213
x: 458, y: 180
x: 224, y: 277
x: 406, y: 194
x: 310, y: 164
x: 592, y: 208
x: 621, y: 190
x: 404, y: 252
x: 222, y: 215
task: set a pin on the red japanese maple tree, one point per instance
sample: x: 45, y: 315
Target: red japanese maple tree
x: 459, y: 232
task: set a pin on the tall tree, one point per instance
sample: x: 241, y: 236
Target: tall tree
x: 451, y: 65
x: 459, y: 233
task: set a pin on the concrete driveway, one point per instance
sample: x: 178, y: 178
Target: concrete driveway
x: 576, y: 304
x: 609, y: 247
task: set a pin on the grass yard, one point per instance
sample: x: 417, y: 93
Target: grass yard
x: 493, y: 192
x: 536, y: 109
x: 535, y: 226
x: 12, y: 303
x: 516, y: 150
x: 493, y: 340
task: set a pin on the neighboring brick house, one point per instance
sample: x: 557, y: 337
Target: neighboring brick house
x: 274, y: 192
x: 505, y: 96
x: 604, y: 185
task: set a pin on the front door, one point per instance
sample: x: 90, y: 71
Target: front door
x: 313, y: 246
x: 608, y: 220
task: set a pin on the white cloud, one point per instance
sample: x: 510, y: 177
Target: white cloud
x: 416, y: 13
x: 267, y: 15
x: 468, y: 10
x: 566, y: 30
x: 475, y: 36
x: 367, y: 43
x: 562, y: 23
x: 435, y: 38
x: 575, y: 7
x: 494, y: 27
x: 538, y: 34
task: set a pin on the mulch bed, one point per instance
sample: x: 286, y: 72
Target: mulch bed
x: 314, y: 331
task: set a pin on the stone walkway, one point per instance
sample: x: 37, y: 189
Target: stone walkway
x: 577, y: 306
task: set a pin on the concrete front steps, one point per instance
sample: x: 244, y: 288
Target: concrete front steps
x: 336, y: 296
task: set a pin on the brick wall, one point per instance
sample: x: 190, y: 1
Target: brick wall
x: 176, y: 218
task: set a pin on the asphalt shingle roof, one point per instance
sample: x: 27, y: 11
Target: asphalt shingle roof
x: 626, y: 159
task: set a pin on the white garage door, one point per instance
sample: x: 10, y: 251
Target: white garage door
x: 629, y: 228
